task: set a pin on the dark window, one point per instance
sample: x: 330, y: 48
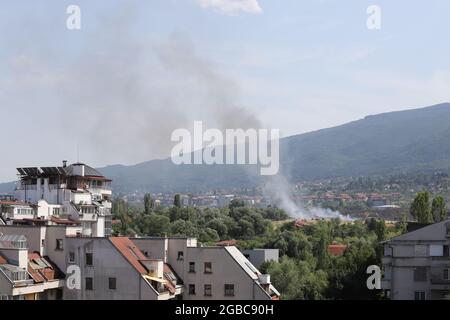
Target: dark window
x: 208, y: 290
x: 419, y: 295
x: 208, y: 267
x: 420, y: 274
x: 446, y: 251
x: 71, y: 256
x: 229, y: 290
x: 112, y: 283
x: 180, y: 255
x: 59, y: 244
x: 192, y: 267
x: 89, y: 284
x: 192, y: 289
x: 446, y: 274
x: 89, y: 259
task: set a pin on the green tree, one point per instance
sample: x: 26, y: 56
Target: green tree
x: 148, y: 203
x: 420, y: 208
x: 297, y: 279
x: 177, y: 201
x: 439, y: 209
x: 155, y: 225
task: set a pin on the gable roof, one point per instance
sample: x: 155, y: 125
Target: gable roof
x: 130, y: 252
x: 432, y: 232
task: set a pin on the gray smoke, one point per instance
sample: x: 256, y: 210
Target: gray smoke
x: 124, y: 95
x: 278, y: 190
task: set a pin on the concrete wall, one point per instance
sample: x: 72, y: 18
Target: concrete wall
x: 34, y: 235
x: 225, y: 270
x: 258, y: 256
x: 107, y: 262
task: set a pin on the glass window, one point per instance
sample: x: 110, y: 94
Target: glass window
x: 192, y: 267
x: 180, y: 255
x: 71, y: 256
x: 192, y: 289
x: 89, y: 284
x: 112, y: 283
x: 59, y: 244
x: 89, y: 259
x: 229, y: 290
x: 208, y: 290
x: 419, y: 295
x: 208, y: 267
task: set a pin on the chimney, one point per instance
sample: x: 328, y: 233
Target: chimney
x: 64, y: 163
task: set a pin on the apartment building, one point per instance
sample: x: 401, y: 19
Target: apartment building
x: 76, y: 192
x: 115, y: 269
x: 210, y: 273
x: 417, y: 264
x: 26, y: 275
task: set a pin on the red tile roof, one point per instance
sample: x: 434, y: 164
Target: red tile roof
x: 226, y: 243
x: 42, y: 274
x: 17, y: 203
x: 337, y: 249
x: 130, y: 252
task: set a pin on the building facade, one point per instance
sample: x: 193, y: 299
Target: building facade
x: 76, y: 192
x: 417, y: 264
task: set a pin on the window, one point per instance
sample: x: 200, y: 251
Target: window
x: 89, y: 259
x: 208, y: 290
x: 436, y: 250
x: 208, y: 267
x: 180, y: 255
x: 191, y: 267
x: 192, y: 289
x: 229, y: 290
x: 112, y: 284
x: 446, y: 251
x: 59, y: 245
x: 447, y: 274
x: 419, y: 295
x: 71, y: 256
x: 89, y: 284
x: 420, y: 274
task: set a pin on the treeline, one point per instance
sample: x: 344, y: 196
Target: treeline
x: 426, y: 211
x: 208, y: 225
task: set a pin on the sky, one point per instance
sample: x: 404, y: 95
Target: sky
x: 113, y: 91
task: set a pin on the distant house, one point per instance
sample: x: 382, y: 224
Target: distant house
x: 337, y: 250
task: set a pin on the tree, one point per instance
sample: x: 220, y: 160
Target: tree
x: 177, y: 201
x: 148, y: 203
x: 380, y: 230
x: 438, y: 209
x: 297, y: 279
x: 420, y: 208
x: 155, y: 225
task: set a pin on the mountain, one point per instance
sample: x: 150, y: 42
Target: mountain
x: 411, y: 140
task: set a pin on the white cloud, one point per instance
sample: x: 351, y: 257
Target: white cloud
x: 232, y: 7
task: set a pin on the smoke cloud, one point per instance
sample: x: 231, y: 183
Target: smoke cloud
x: 278, y: 190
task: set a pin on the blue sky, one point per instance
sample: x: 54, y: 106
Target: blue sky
x: 115, y: 89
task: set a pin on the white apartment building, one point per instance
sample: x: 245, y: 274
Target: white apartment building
x: 25, y: 275
x: 417, y: 264
x: 77, y: 192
